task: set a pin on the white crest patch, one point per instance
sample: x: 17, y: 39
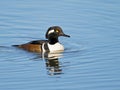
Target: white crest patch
x: 51, y: 31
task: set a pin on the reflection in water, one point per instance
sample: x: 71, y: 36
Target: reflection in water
x: 52, y: 63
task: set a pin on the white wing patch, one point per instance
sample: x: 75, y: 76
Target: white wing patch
x: 51, y: 31
x: 43, y: 50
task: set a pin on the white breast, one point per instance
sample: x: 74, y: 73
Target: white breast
x: 55, y: 47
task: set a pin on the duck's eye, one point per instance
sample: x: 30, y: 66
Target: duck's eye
x: 57, y: 31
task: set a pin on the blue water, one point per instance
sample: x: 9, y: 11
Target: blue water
x: 91, y: 60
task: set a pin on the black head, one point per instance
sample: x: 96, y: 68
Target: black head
x: 55, y: 31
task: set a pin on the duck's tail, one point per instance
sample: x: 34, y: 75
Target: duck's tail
x: 15, y: 45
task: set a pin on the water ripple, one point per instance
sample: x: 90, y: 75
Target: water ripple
x: 91, y: 57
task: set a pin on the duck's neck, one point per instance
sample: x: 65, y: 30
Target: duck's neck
x: 53, y: 40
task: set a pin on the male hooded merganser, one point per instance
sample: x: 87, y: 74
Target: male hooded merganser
x: 51, y: 45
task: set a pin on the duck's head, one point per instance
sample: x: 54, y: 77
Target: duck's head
x: 55, y: 32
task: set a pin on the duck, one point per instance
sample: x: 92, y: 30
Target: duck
x: 51, y: 44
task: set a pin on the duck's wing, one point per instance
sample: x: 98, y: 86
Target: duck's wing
x: 39, y: 42
x: 33, y: 46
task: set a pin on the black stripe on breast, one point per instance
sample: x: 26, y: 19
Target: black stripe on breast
x: 46, y: 47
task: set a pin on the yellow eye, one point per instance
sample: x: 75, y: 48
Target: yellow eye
x: 57, y: 30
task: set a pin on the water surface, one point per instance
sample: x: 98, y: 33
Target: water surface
x: 91, y: 60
